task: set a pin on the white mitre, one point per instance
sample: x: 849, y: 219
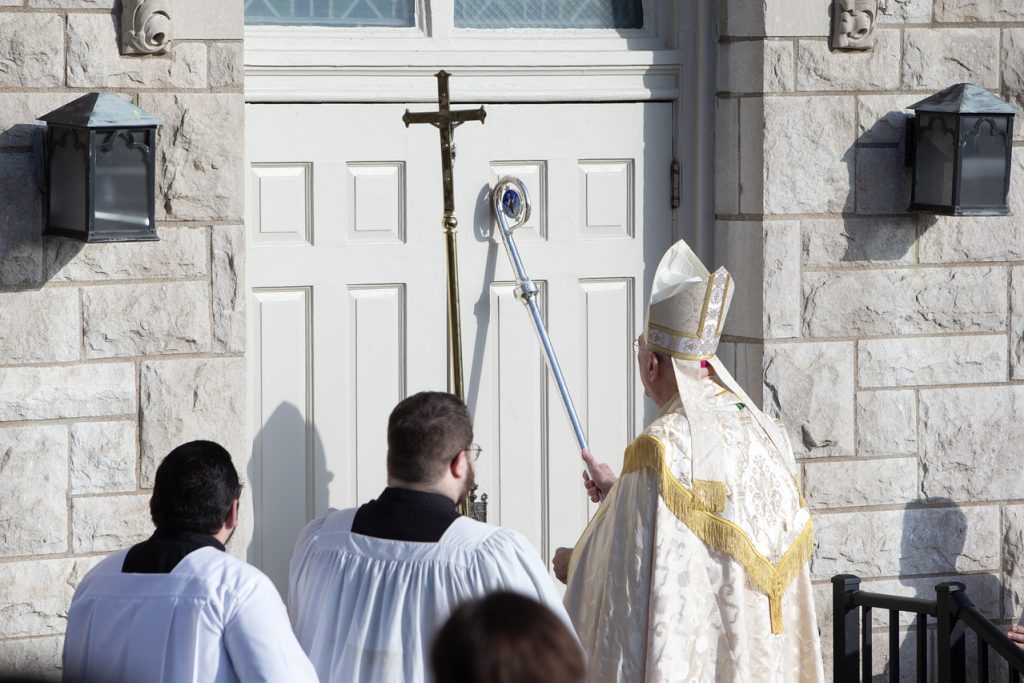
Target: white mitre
x: 684, y: 321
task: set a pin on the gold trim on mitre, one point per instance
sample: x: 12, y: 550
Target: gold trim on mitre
x: 720, y: 534
x: 676, y: 339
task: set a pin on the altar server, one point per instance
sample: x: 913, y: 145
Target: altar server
x: 177, y: 607
x: 694, y: 568
x: 370, y: 585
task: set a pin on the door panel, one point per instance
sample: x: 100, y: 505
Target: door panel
x: 346, y: 260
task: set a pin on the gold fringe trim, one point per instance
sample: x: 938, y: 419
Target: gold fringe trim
x: 721, y: 534
x: 711, y: 494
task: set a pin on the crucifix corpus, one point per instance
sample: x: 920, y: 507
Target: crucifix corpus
x: 446, y: 120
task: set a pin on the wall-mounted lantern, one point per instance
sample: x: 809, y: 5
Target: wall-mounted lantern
x: 960, y: 144
x: 100, y: 170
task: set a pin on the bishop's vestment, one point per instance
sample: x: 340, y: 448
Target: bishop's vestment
x: 682, y: 579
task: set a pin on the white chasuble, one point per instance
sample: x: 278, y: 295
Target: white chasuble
x: 681, y: 579
x: 366, y: 609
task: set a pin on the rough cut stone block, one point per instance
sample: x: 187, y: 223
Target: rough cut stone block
x: 103, y: 524
x: 855, y: 483
x: 36, y: 659
x: 103, y: 457
x: 745, y: 362
x: 134, y: 320
x: 905, y: 301
x: 755, y: 66
x: 39, y: 326
x: 1013, y: 70
x: 775, y: 18
x: 33, y: 488
x: 752, y: 154
x: 17, y: 116
x: 727, y: 162
x: 937, y: 58
x: 883, y: 182
x: 970, y: 441
x: 905, y: 12
x: 819, y: 68
x: 229, y: 289
x: 808, y: 154
x: 226, y: 69
x: 39, y: 393
x: 886, y: 422
x: 21, y: 242
x: 31, y: 50
x: 902, y: 542
x: 95, y: 61
x: 1017, y: 323
x: 181, y: 253
x: 183, y: 400
x: 810, y: 387
x: 200, y: 155
x: 739, y: 247
x: 39, y: 607
x: 882, y: 119
x: 978, y: 10
x: 952, y: 239
x: 850, y: 241
x: 1013, y: 558
x: 934, y: 360
x: 781, y: 279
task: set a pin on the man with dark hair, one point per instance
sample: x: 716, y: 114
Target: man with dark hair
x: 176, y: 607
x: 370, y: 585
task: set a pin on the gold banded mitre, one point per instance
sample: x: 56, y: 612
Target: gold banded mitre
x: 685, y: 317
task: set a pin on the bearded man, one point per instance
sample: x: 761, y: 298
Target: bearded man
x: 370, y: 585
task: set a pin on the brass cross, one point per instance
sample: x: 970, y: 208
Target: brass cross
x: 446, y: 121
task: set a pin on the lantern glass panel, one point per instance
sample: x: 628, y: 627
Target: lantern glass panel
x: 984, y: 170
x: 122, y: 187
x: 69, y: 168
x: 936, y: 159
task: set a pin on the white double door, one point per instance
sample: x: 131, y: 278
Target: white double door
x: 346, y: 277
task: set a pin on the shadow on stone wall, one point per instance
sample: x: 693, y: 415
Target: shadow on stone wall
x: 941, y: 547
x: 877, y: 228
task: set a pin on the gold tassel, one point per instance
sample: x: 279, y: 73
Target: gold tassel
x: 721, y: 534
x: 711, y: 494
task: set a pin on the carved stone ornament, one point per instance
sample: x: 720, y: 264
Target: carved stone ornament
x: 853, y: 24
x: 146, y: 26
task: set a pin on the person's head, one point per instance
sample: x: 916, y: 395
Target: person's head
x: 506, y: 638
x: 656, y: 372
x: 430, y: 447
x: 196, y: 489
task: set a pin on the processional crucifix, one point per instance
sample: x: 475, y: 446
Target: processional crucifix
x: 446, y: 120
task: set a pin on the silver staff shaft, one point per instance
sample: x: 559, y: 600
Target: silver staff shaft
x: 512, y: 201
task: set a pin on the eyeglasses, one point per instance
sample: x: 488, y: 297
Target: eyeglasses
x: 472, y: 449
x: 638, y: 344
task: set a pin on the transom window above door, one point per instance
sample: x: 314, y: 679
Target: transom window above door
x: 469, y: 14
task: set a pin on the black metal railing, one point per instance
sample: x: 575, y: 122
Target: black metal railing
x: 954, y: 615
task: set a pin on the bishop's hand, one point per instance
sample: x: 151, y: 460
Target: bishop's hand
x: 603, y: 478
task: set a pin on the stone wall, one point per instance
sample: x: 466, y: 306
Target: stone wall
x: 891, y: 344
x: 110, y: 355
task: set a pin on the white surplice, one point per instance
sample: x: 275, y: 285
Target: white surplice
x: 679, y: 579
x: 212, y: 619
x: 366, y: 609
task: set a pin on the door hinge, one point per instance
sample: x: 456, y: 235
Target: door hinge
x: 675, y: 184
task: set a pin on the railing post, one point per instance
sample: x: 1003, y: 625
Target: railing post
x: 845, y: 639
x: 949, y: 648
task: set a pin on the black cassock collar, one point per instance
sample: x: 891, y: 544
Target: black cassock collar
x: 161, y: 552
x: 406, y: 515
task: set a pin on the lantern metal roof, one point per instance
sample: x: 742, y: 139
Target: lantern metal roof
x: 100, y: 110
x: 964, y: 98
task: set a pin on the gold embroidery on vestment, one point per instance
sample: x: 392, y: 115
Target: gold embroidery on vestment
x: 721, y: 534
